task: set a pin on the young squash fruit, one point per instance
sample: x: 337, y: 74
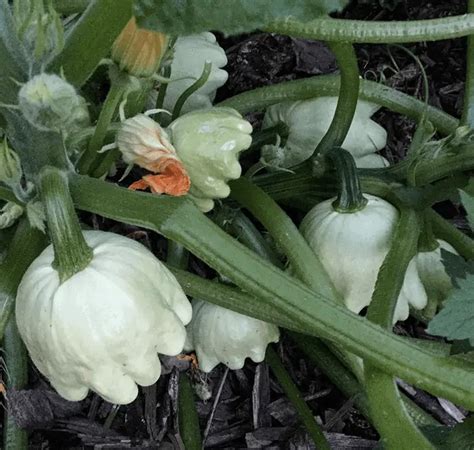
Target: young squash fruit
x: 309, y: 120
x: 190, y: 55
x: 219, y: 335
x: 208, y: 143
x: 352, y: 247
x: 103, y: 327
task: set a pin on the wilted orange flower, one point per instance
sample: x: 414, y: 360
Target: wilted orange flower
x: 143, y: 142
x: 171, y: 179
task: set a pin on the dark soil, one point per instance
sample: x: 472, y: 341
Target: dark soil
x: 251, y: 410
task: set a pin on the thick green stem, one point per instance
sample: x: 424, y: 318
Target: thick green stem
x: 16, y: 363
x: 91, y: 39
x: 349, y: 198
x: 177, y: 256
x: 347, y: 101
x: 388, y: 412
x: 188, y: 417
x: 243, y: 229
x: 322, y: 357
x: 427, y: 241
x: 25, y: 246
x: 373, y: 32
x: 304, y: 261
x: 468, y: 110
x: 437, y: 169
x: 297, y: 400
x: 328, y: 85
x: 442, y: 229
x: 178, y: 219
x: 120, y: 83
x: 71, y: 252
x: 282, y: 186
x: 238, y: 301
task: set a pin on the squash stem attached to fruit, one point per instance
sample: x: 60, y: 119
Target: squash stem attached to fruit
x: 72, y: 254
x: 349, y: 198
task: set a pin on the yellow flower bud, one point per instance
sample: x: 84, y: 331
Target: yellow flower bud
x: 139, y: 51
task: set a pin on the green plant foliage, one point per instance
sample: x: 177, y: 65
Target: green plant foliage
x: 181, y: 17
x: 460, y: 437
x: 468, y: 202
x: 456, y: 320
x: 456, y: 267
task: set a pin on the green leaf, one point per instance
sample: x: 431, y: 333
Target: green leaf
x: 461, y: 437
x: 456, y: 320
x: 461, y: 347
x: 14, y: 65
x: 468, y: 203
x: 456, y: 267
x: 182, y: 17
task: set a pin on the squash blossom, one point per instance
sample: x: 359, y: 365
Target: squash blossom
x: 138, y: 51
x: 352, y: 248
x: 208, y: 142
x: 143, y: 142
x: 102, y: 328
x: 219, y: 335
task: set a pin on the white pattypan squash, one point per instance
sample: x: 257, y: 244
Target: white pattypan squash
x: 309, y: 120
x: 432, y: 272
x: 352, y: 247
x: 372, y: 161
x: 208, y: 143
x: 219, y: 335
x: 190, y: 55
x: 102, y: 328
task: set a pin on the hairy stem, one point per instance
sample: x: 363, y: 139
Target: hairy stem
x: 347, y: 101
x: 388, y: 411
x: 328, y: 85
x: 374, y: 32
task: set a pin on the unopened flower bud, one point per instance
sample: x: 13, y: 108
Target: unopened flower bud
x: 139, y: 51
x: 10, y: 167
x: 51, y: 103
x: 39, y: 28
